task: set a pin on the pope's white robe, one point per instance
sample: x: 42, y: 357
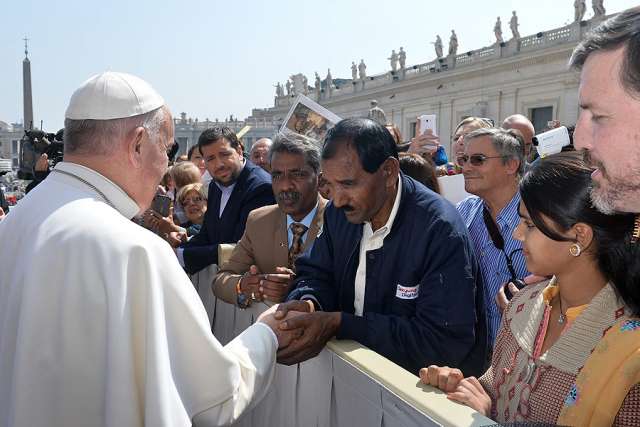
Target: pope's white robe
x: 100, y: 326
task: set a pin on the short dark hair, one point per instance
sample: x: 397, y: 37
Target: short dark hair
x: 297, y: 144
x: 214, y: 134
x: 558, y: 188
x: 372, y: 141
x: 420, y: 169
x: 621, y: 30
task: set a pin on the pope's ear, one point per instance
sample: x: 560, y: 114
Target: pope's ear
x: 133, y: 144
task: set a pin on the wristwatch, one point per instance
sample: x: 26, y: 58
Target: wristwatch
x: 241, y: 299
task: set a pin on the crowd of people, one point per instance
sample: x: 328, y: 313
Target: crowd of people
x: 521, y: 302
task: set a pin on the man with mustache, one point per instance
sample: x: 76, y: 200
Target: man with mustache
x: 608, y: 127
x: 262, y: 263
x: 237, y: 188
x: 393, y: 267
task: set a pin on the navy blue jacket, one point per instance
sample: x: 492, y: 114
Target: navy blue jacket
x: 428, y: 246
x: 252, y: 190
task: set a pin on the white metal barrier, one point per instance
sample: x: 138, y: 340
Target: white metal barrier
x: 346, y: 385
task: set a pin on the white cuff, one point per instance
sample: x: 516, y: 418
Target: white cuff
x: 273, y: 334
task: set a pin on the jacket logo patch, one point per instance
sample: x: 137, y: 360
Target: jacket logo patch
x: 407, y: 292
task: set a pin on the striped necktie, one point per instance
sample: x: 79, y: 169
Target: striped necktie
x: 296, y: 244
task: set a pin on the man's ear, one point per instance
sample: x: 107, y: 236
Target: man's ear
x: 390, y: 169
x: 133, y: 142
x: 239, y: 149
x: 512, y: 166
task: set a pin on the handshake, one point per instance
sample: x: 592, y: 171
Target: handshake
x: 302, y: 332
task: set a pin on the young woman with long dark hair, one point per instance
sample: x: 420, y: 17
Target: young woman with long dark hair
x: 568, y: 350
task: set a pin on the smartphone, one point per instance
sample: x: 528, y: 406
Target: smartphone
x: 161, y: 205
x: 428, y: 121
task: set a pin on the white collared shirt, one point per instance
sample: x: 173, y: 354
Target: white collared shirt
x: 227, y: 190
x: 306, y: 221
x: 224, y: 197
x: 372, y: 240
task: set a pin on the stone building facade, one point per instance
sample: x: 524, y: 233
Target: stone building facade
x: 528, y: 75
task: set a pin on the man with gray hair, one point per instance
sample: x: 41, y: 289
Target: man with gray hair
x: 492, y: 164
x: 259, y: 153
x: 262, y: 263
x: 99, y: 325
x: 608, y: 127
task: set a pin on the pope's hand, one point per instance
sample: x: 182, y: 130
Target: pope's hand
x: 284, y: 337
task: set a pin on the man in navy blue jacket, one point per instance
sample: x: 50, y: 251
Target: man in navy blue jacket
x: 238, y: 187
x: 393, y: 267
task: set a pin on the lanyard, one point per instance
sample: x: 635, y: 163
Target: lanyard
x: 498, y: 242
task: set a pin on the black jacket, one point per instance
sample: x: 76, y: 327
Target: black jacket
x: 252, y: 190
x: 428, y: 246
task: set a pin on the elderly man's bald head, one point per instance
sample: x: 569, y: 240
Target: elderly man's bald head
x: 259, y: 153
x: 524, y: 125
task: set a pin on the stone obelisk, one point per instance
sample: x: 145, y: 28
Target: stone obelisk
x: 26, y: 88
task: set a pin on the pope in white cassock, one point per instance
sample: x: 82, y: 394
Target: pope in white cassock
x: 99, y: 325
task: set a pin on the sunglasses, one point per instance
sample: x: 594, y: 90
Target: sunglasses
x: 474, y: 159
x: 188, y: 200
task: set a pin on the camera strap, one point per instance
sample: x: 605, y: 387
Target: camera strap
x: 498, y: 240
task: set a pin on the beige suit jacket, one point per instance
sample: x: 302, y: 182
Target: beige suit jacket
x: 265, y: 244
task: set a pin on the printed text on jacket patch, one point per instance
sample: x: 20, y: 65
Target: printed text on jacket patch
x: 407, y: 292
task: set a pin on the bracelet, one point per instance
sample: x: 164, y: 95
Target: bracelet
x: 238, y: 288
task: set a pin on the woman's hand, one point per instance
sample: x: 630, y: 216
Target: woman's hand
x: 471, y: 393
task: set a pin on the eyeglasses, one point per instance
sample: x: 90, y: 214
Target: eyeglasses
x: 474, y: 159
x: 188, y: 200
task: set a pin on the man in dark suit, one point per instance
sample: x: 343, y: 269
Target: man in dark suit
x: 237, y: 188
x: 393, y: 268
x: 261, y: 264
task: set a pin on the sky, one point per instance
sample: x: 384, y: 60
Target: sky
x: 212, y: 58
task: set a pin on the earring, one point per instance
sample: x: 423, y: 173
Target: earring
x: 575, y: 250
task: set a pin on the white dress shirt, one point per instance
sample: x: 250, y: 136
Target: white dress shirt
x: 225, y: 194
x: 372, y: 240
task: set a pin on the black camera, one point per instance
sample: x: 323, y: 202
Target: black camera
x: 34, y: 143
